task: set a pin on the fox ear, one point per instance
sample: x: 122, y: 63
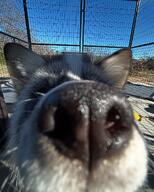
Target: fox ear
x: 21, y: 62
x: 115, y: 68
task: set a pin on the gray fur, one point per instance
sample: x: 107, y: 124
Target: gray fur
x: 41, y: 166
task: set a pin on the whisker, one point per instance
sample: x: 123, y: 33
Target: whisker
x: 24, y: 164
x: 4, y: 183
x: 8, y: 152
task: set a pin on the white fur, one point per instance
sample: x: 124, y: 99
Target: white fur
x: 73, y: 76
x: 123, y: 174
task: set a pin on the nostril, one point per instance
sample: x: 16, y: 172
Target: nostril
x: 117, y: 126
x: 66, y: 128
x: 113, y: 121
x: 64, y: 124
x: 57, y: 123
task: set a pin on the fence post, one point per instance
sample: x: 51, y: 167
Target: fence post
x: 27, y: 24
x: 82, y: 24
x: 134, y: 22
x: 83, y: 10
x: 80, y: 38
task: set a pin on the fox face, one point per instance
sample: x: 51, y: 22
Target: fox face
x: 72, y: 129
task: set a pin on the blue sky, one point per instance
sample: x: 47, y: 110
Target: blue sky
x: 107, y: 22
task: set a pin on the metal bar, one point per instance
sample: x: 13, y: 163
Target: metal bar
x: 77, y: 45
x: 55, y: 44
x: 83, y: 23
x: 27, y: 24
x: 134, y: 23
x: 143, y: 45
x: 13, y: 37
x: 105, y: 46
x: 80, y: 38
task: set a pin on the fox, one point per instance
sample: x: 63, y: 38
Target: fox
x: 72, y: 129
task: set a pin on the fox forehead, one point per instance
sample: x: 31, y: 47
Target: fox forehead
x: 72, y: 66
x: 71, y: 62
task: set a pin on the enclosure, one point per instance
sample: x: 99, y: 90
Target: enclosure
x: 95, y: 27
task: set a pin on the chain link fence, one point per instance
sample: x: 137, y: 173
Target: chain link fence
x: 97, y: 27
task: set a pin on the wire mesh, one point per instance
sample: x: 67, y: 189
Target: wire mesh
x: 100, y: 51
x: 108, y: 22
x: 143, y: 65
x: 97, y: 27
x: 53, y: 49
x: 144, y: 32
x: 12, y: 18
x: 54, y: 21
x: 12, y: 28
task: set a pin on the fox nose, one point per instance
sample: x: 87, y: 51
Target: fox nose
x: 87, y: 121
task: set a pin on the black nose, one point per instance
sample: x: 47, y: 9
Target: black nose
x: 87, y: 121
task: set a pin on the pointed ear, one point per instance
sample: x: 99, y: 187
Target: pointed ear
x: 21, y: 62
x: 115, y: 68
